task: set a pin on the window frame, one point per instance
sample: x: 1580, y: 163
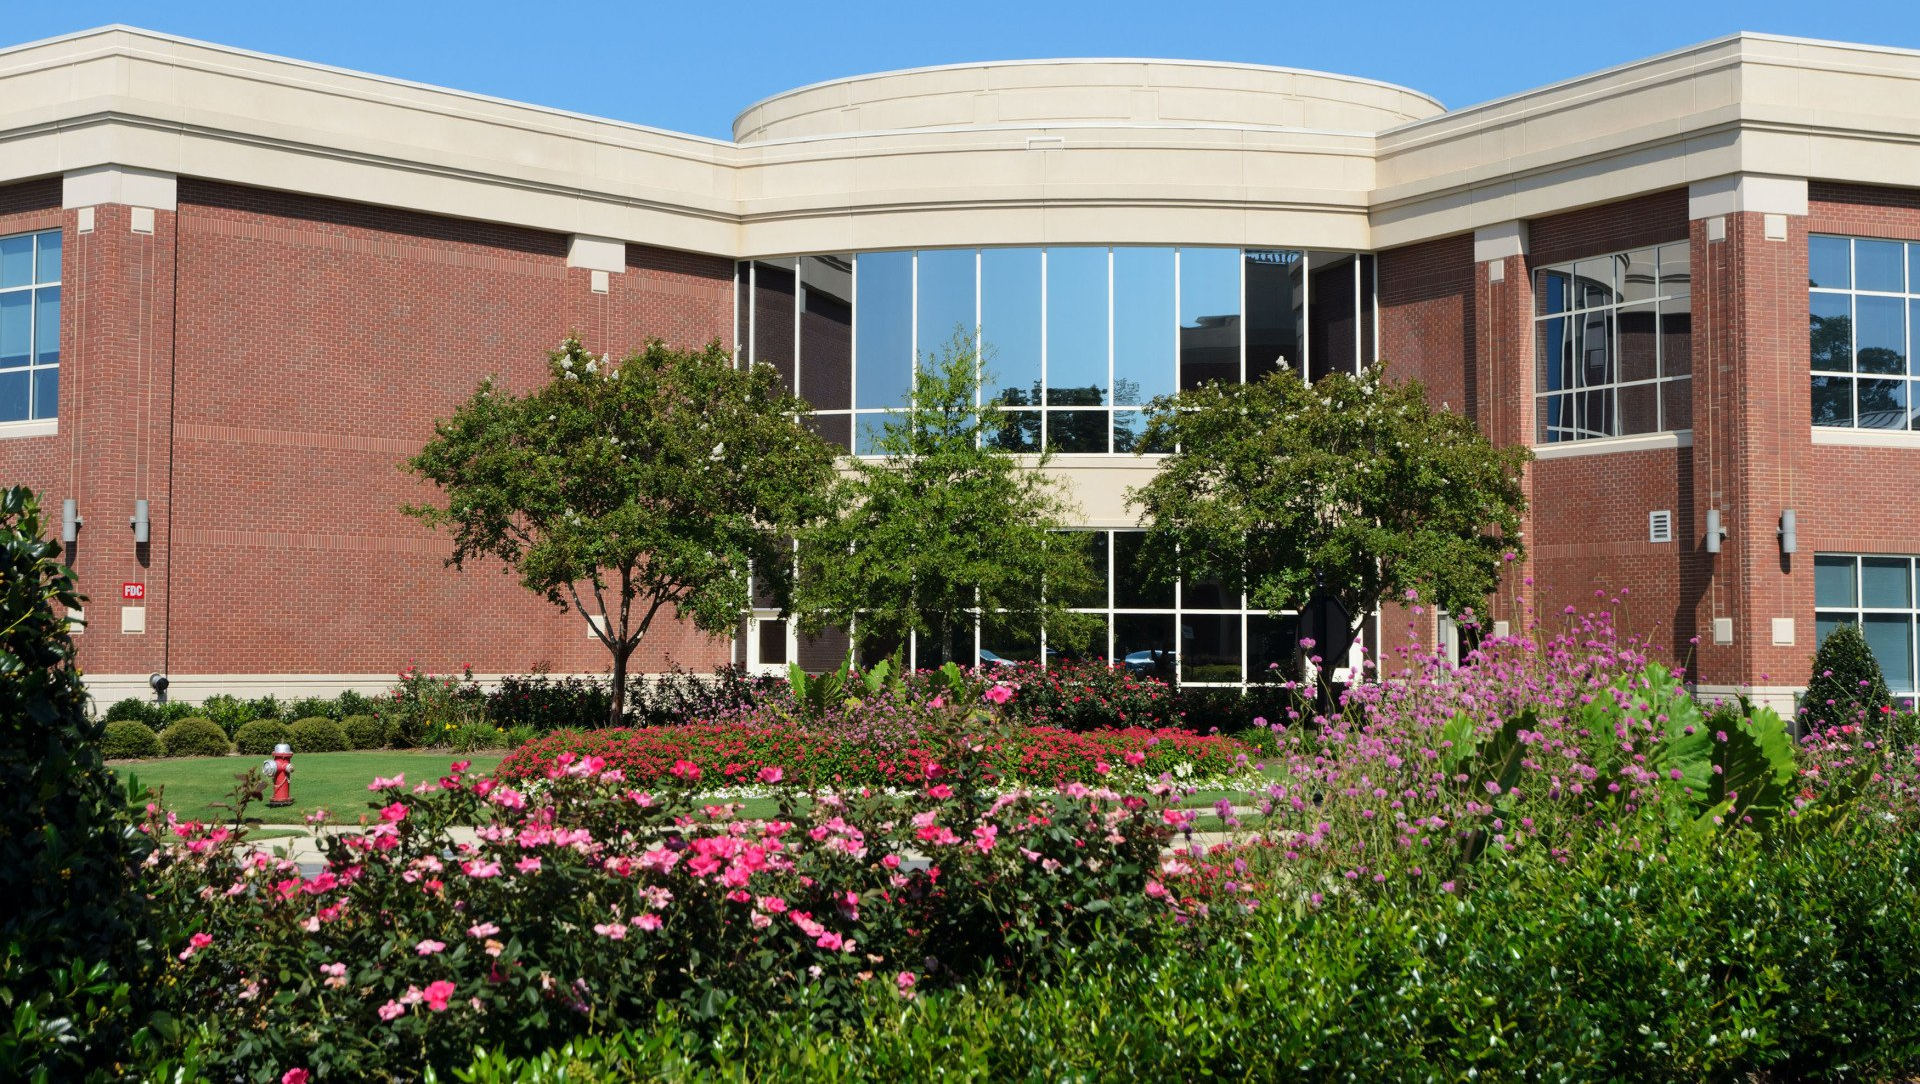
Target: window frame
x: 1547, y: 433
x: 35, y: 422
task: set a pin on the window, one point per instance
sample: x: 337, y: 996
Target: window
x: 1077, y: 340
x: 1863, y: 301
x: 30, y: 327
x: 1875, y: 593
x: 1614, y: 345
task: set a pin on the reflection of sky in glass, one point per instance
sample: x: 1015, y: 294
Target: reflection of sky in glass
x: 49, y: 257
x: 883, y: 328
x: 1209, y: 284
x: 1010, y: 318
x: 1830, y: 262
x: 946, y: 300
x: 16, y: 260
x: 47, y: 325
x: 1877, y: 266
x: 1077, y: 320
x: 1143, y: 323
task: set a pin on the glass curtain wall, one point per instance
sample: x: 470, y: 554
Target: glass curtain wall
x: 1614, y: 345
x: 1075, y: 341
x: 1876, y: 593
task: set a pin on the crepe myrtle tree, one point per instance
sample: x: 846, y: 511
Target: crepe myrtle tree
x: 1351, y: 488
x: 944, y: 526
x: 630, y: 488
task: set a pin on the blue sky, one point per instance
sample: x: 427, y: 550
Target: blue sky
x: 690, y: 66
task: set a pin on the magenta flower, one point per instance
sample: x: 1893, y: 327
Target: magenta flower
x: 437, y: 994
x: 648, y: 921
x: 999, y: 694
x: 294, y: 1076
x: 770, y: 775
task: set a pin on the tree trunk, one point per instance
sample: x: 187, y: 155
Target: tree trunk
x: 616, y: 712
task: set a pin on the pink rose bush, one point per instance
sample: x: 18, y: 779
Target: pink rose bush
x: 586, y: 896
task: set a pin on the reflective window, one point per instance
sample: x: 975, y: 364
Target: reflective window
x: 883, y: 329
x: 826, y: 332
x: 30, y: 326
x: 1075, y: 340
x: 1876, y: 593
x: 1209, y: 316
x: 946, y: 302
x: 1862, y: 309
x: 1613, y: 342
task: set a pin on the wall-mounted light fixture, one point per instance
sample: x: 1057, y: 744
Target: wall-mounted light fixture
x: 1715, y: 532
x: 1789, y: 532
x: 70, y: 520
x: 139, y: 521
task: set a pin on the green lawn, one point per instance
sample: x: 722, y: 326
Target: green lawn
x: 335, y: 781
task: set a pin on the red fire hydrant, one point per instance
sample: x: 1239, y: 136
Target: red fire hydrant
x: 280, y: 770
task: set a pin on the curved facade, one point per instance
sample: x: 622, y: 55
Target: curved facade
x: 1612, y: 269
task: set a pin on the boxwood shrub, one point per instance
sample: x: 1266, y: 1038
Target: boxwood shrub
x: 126, y: 739
x: 316, y: 734
x: 195, y: 737
x: 364, y: 732
x: 258, y: 737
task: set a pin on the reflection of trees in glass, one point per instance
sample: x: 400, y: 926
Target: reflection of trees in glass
x: 1831, y: 340
x: 1832, y: 400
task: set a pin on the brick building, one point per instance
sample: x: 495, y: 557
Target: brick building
x: 236, y: 290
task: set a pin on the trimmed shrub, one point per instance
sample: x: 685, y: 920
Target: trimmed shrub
x: 76, y: 934
x: 316, y: 734
x: 364, y: 732
x: 258, y: 737
x: 1846, y: 685
x: 195, y: 737
x: 134, y: 708
x: 351, y: 703
x: 129, y: 739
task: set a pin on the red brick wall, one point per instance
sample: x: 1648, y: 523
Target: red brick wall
x: 317, y: 342
x: 1427, y: 318
x: 1613, y: 227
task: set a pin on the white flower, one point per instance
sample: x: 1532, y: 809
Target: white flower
x: 566, y: 363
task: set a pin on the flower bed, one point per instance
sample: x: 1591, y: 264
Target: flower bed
x: 593, y: 899
x: 731, y: 753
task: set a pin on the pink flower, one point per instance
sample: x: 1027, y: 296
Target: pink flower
x: 1136, y: 758
x: 648, y: 921
x: 770, y: 775
x: 984, y: 836
x: 616, y: 931
x: 830, y: 941
x: 940, y: 791
x: 195, y: 943
x: 686, y: 769
x: 999, y: 694
x: 394, y: 813
x: 382, y: 784
x: 294, y: 1076
x: 905, y: 980
x: 484, y: 929
x: 530, y: 864
x: 437, y: 994
x: 390, y: 1010
x: 429, y: 946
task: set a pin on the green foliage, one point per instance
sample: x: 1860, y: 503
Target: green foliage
x: 311, y: 707
x: 1357, y: 482
x: 424, y: 709
x: 75, y: 929
x: 229, y: 713
x: 364, y: 732
x: 127, y: 739
x: 135, y: 708
x: 657, y: 483
x: 1846, y: 686
x: 318, y: 734
x: 946, y: 523
x: 1703, y: 958
x: 258, y: 737
x: 195, y: 737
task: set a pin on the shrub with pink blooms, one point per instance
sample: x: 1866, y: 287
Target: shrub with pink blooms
x: 591, y: 897
x: 734, y: 752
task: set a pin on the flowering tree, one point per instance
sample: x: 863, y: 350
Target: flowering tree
x: 650, y: 484
x: 945, y: 524
x: 1350, y: 488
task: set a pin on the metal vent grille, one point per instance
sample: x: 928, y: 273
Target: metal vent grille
x: 1660, y: 526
